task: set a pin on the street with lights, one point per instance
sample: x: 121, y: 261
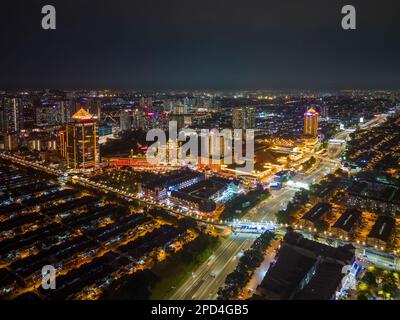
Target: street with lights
x: 204, y: 283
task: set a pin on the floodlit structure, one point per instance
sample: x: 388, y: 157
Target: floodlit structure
x: 80, y: 142
x: 311, y: 123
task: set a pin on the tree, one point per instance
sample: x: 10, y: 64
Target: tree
x: 315, y: 187
x: 187, y: 223
x: 251, y: 259
x: 301, y: 196
x: 132, y: 287
x: 341, y: 173
x: 364, y: 295
x: 370, y: 279
x: 283, y: 217
x: 390, y: 285
x: 321, y: 225
x: 324, y: 144
x: 291, y: 208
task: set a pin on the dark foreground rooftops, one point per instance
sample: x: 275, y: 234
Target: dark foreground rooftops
x: 305, y: 269
x: 324, y: 284
x: 285, y: 275
x: 383, y: 228
x: 317, y: 212
x: 348, y: 220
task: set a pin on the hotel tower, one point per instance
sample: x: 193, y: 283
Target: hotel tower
x: 311, y: 123
x: 80, y: 142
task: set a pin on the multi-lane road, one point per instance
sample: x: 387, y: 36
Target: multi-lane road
x: 204, y: 283
x: 266, y: 210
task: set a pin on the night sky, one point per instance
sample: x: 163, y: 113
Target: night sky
x: 208, y: 44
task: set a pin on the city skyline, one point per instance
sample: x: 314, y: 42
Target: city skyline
x: 225, y: 152
x: 81, y: 197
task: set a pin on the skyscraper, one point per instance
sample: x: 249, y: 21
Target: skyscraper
x: 11, y: 115
x: 125, y: 122
x: 311, y: 123
x: 324, y: 112
x: 243, y: 118
x: 137, y: 119
x: 10, y: 142
x: 81, y: 141
x: 51, y: 114
x: 186, y: 105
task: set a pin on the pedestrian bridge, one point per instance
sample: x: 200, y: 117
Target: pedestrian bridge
x: 252, y: 227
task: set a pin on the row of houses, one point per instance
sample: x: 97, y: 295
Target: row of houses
x: 381, y: 234
x: 364, y: 194
x: 375, y: 196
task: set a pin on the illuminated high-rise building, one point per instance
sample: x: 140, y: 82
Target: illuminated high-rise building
x: 244, y: 118
x: 10, y: 142
x: 186, y: 105
x: 81, y: 142
x: 125, y: 121
x: 11, y: 115
x: 324, y: 112
x: 142, y: 102
x: 137, y: 119
x: 311, y: 123
x: 51, y: 114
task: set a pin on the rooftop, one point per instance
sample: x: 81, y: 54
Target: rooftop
x: 324, y: 284
x: 348, y: 219
x: 317, y: 212
x: 305, y: 269
x: 82, y: 114
x: 383, y: 228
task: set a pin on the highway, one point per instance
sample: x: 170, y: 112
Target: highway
x: 266, y: 210
x: 204, y: 283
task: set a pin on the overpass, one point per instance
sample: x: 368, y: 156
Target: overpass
x: 323, y: 158
x: 34, y: 165
x: 243, y: 226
